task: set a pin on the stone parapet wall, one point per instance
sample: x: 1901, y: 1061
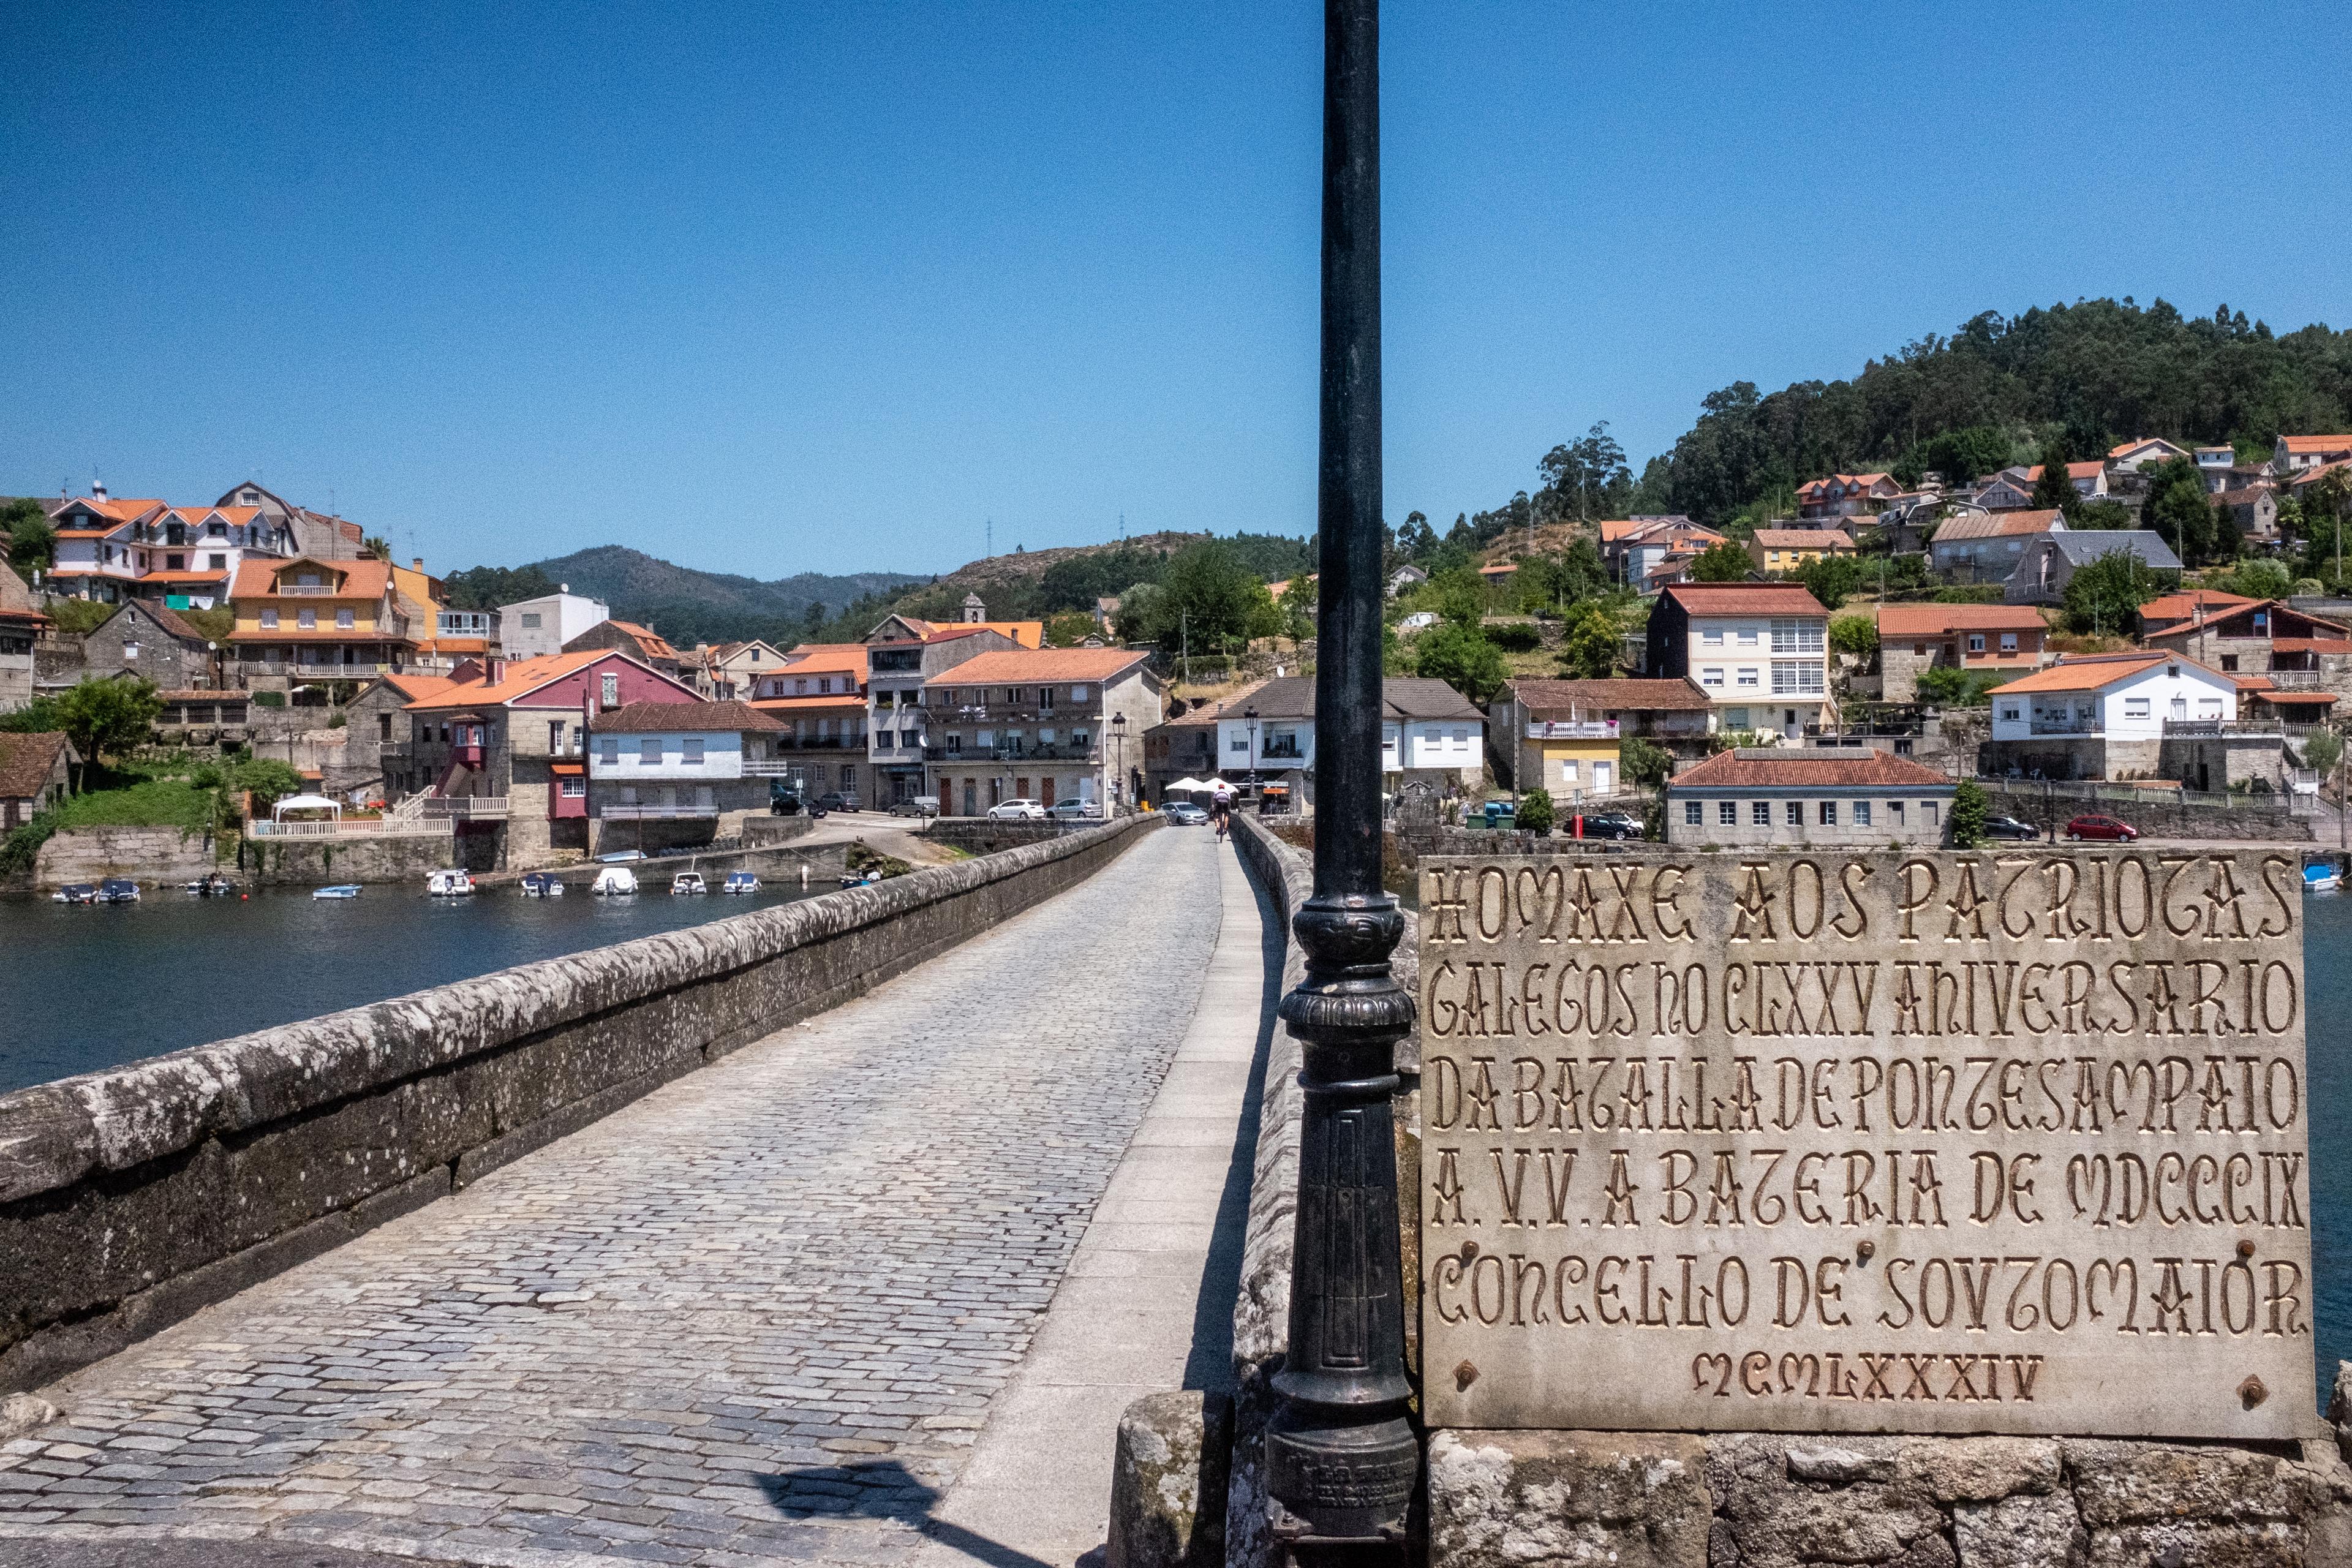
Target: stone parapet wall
x: 2258, y: 821
x: 131, y: 1198
x: 1751, y: 1501
x: 981, y: 836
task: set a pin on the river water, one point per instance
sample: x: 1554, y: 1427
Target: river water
x: 88, y: 986
x: 82, y: 988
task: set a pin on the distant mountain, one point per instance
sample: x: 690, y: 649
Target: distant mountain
x: 689, y: 606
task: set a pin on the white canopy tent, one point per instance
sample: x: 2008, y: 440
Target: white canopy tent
x: 305, y: 803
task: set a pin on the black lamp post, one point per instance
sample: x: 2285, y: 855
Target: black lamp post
x: 1119, y: 760
x: 1250, y: 714
x: 1341, y: 1458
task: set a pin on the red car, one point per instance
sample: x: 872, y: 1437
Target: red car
x: 2101, y: 827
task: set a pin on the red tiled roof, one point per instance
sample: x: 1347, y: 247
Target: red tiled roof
x: 517, y: 679
x: 1022, y: 667
x: 2093, y: 672
x: 256, y: 577
x: 2184, y: 607
x: 1744, y: 599
x: 2301, y: 444
x: 1937, y: 620
x: 1797, y: 767
x: 1678, y: 695
x: 651, y: 718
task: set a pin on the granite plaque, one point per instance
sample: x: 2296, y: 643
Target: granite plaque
x: 2003, y: 1142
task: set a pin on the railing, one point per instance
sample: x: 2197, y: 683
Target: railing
x: 1053, y: 754
x: 619, y: 811
x: 1573, y: 729
x: 389, y: 825
x: 2222, y: 727
x: 2066, y: 727
x: 467, y: 807
x: 2295, y: 679
x: 307, y: 589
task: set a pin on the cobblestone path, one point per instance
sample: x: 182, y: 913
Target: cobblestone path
x: 758, y: 1315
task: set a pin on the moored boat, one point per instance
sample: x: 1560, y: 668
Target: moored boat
x: 614, y: 882
x: 2322, y: 877
x: 339, y: 890
x: 214, y: 886
x: 740, y: 882
x: 541, y: 885
x: 118, y: 890
x: 449, y: 884
x: 687, y: 882
x: 76, y: 893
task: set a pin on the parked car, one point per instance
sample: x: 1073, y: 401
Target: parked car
x: 1074, y: 810
x: 917, y: 805
x: 833, y: 800
x: 1608, y: 824
x: 2101, y: 827
x: 784, y: 802
x: 1018, y: 811
x: 1183, y: 813
x: 2010, y: 827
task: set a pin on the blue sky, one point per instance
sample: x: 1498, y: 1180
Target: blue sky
x: 826, y: 287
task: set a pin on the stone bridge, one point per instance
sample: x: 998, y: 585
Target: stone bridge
x: 871, y: 1288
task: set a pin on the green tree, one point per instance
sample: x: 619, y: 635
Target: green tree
x: 1461, y: 656
x: 1069, y: 629
x: 1947, y: 686
x: 487, y: 587
x: 1589, y: 651
x: 24, y: 530
x: 1967, y: 454
x: 1723, y: 563
x: 2259, y: 579
x: 1855, y: 635
x: 1588, y: 478
x: 2326, y: 505
x: 1971, y: 806
x: 2179, y: 512
x: 2322, y: 750
x: 108, y: 716
x: 2052, y: 488
x: 1834, y: 579
x: 2105, y: 595
x: 1535, y: 813
x: 1459, y: 595
x: 1645, y: 763
x: 375, y: 547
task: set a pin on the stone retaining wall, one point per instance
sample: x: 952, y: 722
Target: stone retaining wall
x: 151, y: 856
x: 131, y: 1197
x: 2156, y: 816
x: 355, y: 858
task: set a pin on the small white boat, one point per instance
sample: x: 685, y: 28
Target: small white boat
x: 740, y: 882
x: 613, y: 881
x: 541, y: 885
x: 340, y: 891
x: 76, y: 893
x: 687, y: 882
x: 118, y: 890
x: 451, y: 884
x: 215, y: 886
x: 2322, y: 878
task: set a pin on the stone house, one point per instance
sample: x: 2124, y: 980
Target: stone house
x: 2167, y: 611
x: 36, y: 772
x: 1759, y: 650
x: 641, y: 643
x: 817, y: 698
x: 2148, y: 714
x: 22, y: 624
x: 1565, y: 737
x: 667, y: 774
x: 1986, y: 546
x: 2298, y: 651
x: 504, y: 754
x: 1786, y: 549
x: 2003, y: 640
x: 2254, y: 510
x: 147, y: 639
x: 1816, y: 797
x: 375, y: 721
x: 2050, y: 562
x: 1043, y: 724
x: 901, y: 654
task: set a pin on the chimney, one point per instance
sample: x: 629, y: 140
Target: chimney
x: 416, y: 563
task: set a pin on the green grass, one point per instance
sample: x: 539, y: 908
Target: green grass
x: 155, y: 802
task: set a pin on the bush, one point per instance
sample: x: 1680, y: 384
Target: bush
x: 1857, y: 635
x: 1645, y: 763
x: 1971, y: 806
x: 1514, y: 636
x: 1970, y: 593
x: 1950, y: 688
x: 269, y: 700
x: 1535, y: 813
x: 79, y: 616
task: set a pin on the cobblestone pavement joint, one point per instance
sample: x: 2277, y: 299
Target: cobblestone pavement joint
x: 758, y: 1316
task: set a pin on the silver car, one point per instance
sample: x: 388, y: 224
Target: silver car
x: 1018, y: 811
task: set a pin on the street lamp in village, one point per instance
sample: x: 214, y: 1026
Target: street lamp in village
x: 1118, y: 761
x: 1341, y: 1462
x: 1250, y: 714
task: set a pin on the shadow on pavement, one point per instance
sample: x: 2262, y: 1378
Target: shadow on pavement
x: 882, y: 1489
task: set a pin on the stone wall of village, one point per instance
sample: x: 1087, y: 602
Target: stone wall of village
x: 131, y: 1197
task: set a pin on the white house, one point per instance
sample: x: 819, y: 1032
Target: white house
x: 537, y: 628
x: 1429, y: 732
x: 2107, y: 715
x: 656, y: 761
x: 1759, y: 650
x: 2147, y: 452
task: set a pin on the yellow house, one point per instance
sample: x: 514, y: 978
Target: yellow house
x: 308, y: 619
x: 1565, y: 737
x: 1786, y: 549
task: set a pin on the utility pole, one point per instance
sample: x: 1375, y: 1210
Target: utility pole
x: 1342, y: 1464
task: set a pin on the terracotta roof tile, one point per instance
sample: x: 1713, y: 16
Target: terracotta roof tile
x: 1935, y: 620
x: 1998, y: 526
x: 1744, y: 599
x: 652, y: 717
x: 1678, y: 695
x: 1815, y: 767
x: 1021, y: 667
x: 1804, y: 539
x: 26, y: 762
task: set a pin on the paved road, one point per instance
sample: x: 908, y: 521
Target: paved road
x: 758, y: 1316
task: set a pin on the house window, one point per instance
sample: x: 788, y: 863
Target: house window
x: 1692, y: 814
x: 2229, y: 662
x: 1794, y: 815
x: 612, y: 689
x: 611, y: 745
x: 1568, y: 770
x: 2009, y: 712
x: 384, y: 727
x: 1760, y: 811
x: 250, y: 498
x: 555, y: 737
x: 1862, y: 813
x: 1829, y: 813
x: 1895, y: 810
x: 1975, y: 642
x: 1747, y: 636
x: 1077, y: 694
x: 2009, y: 642
x: 215, y: 563
x: 531, y: 620
x: 307, y: 620
x: 1796, y: 677
x: 2134, y: 707
x: 130, y: 650
x: 692, y: 753
x: 649, y: 750
x: 1240, y: 743
x: 1748, y: 676
x: 1712, y: 676
x: 1727, y: 812
x: 175, y: 564
x: 1734, y: 718
x: 1792, y: 635
x: 1928, y: 811
x: 574, y: 786
x: 344, y: 621
x: 1711, y: 636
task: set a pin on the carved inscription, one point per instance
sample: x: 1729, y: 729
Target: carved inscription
x: 1873, y: 1141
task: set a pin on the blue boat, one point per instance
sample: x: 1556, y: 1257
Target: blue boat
x: 340, y: 891
x: 118, y: 890
x: 76, y: 893
x: 2322, y: 877
x: 541, y: 885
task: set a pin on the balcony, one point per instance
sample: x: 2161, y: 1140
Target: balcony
x: 2224, y: 727
x: 467, y: 807
x: 2295, y: 679
x: 1055, y: 753
x: 1573, y: 729
x: 2062, y: 725
x: 638, y: 811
